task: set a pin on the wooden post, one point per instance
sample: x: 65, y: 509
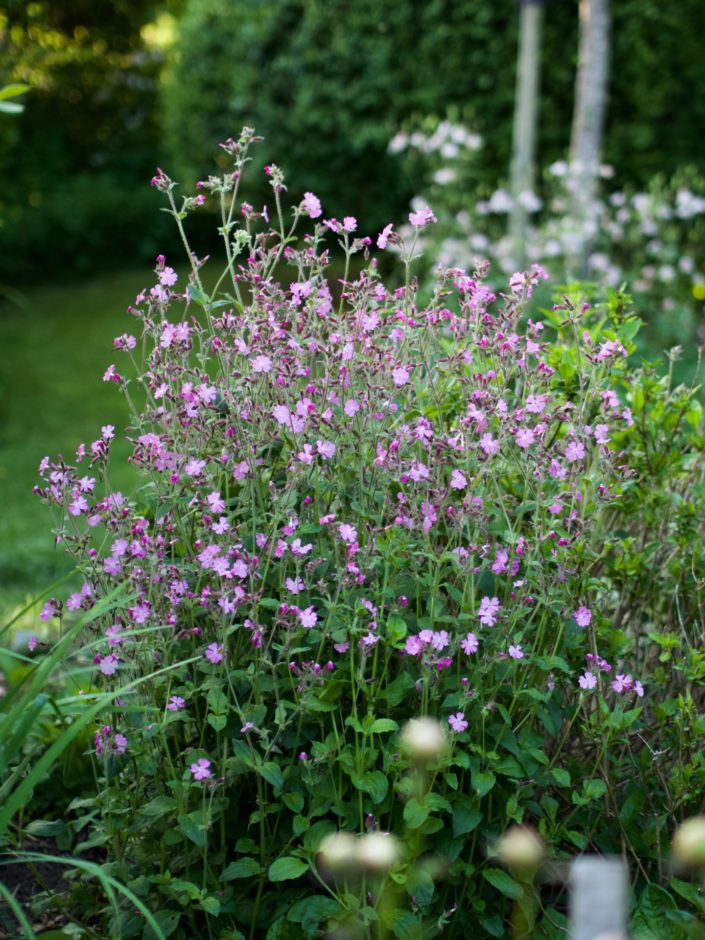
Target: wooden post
x: 525, y: 119
x: 598, y: 898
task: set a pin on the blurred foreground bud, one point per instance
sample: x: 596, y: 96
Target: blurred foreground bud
x: 377, y: 851
x: 424, y: 738
x: 338, y: 853
x: 521, y: 849
x: 689, y: 843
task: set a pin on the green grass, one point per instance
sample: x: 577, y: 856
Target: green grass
x: 55, y: 348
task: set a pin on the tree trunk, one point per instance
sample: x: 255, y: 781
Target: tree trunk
x: 588, y: 115
x: 525, y: 119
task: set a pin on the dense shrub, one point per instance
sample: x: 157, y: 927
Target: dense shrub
x: 329, y: 84
x: 403, y: 570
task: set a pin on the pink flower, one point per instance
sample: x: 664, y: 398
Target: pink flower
x: 400, y: 376
x: 351, y: 408
x: 119, y: 744
x: 348, y: 533
x: 326, y: 449
x: 109, y: 665
x: 458, y: 722
x: 214, y: 653
x: 470, y: 644
x: 32, y: 643
x: 312, y: 205
x: 176, y: 703
x: 216, y: 502
x: 583, y: 616
x: 489, y: 445
x: 422, y: 217
x: 308, y: 617
x: 294, y: 585
x: 516, y: 652
x: 383, y: 237
x: 458, y: 480
x: 524, y: 438
x: 489, y: 608
x: 413, y: 645
x: 622, y: 683
x: 574, y: 451
x: 587, y: 681
x: 201, y: 769
x: 261, y: 364
x: 349, y: 223
x: 168, y: 277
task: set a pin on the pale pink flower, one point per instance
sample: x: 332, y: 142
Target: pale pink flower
x: 176, y: 703
x: 201, y: 769
x: 487, y: 613
x: 422, y: 218
x: 312, y: 205
x: 308, y: 617
x: 214, y: 653
x: 400, y: 376
x: 516, y: 652
x: 458, y: 722
x: 458, y: 480
x: 348, y: 533
x: 261, y: 364
x: 326, y: 449
x: 524, y: 438
x: 574, y: 451
x: 470, y: 644
x: 109, y: 665
x: 583, y: 616
x: 383, y: 237
x: 587, y: 681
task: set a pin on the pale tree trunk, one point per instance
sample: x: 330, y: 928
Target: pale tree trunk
x: 525, y: 120
x: 588, y: 116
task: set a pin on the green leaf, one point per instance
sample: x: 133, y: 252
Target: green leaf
x: 465, y: 819
x: 560, y: 776
x: 650, y: 920
x: 396, y: 629
x: 11, y: 91
x: 293, y: 801
x: 194, y: 826
x: 242, y: 868
x: 375, y: 783
x: 159, y: 806
x: 167, y: 922
x: 211, y: 906
x: 54, y: 828
x: 415, y: 813
x: 287, y: 868
x: 594, y: 789
x: 383, y: 724
x: 503, y: 882
x: 195, y: 293
x: 272, y: 774
x: 482, y: 782
x: 217, y: 722
x: 312, y: 910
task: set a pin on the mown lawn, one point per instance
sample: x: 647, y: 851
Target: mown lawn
x: 55, y: 348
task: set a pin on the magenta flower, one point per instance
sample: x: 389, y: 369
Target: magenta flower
x: 326, y: 449
x: 587, y: 681
x: 458, y: 722
x: 214, y: 653
x: 348, y: 533
x: 201, y: 769
x: 176, y: 703
x: 583, y: 616
x: 414, y: 645
x: 489, y: 445
x: 400, y: 376
x: 516, y: 652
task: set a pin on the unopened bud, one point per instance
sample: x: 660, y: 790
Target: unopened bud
x: 689, y: 843
x: 521, y: 849
x: 424, y: 738
x: 378, y: 851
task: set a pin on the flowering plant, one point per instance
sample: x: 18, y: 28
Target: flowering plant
x: 363, y: 581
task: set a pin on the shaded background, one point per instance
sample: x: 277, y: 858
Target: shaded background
x: 120, y: 87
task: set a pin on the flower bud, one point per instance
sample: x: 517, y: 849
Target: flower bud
x: 689, y: 843
x: 521, y: 849
x: 338, y: 853
x: 378, y: 851
x: 424, y: 738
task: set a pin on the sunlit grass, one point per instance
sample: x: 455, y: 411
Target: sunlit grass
x: 55, y: 348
